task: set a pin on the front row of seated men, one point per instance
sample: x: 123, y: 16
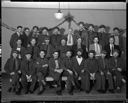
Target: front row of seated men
x: 100, y: 70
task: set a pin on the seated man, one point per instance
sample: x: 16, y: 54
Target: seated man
x: 91, y: 72
x: 78, y: 64
x: 12, y: 67
x: 105, y: 74
x: 116, y: 66
x: 41, y: 70
x: 67, y: 63
x: 56, y: 70
x: 28, y: 73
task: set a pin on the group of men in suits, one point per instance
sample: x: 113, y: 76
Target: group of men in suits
x: 85, y: 54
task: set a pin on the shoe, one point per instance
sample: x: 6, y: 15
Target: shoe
x: 17, y: 93
x: 111, y: 91
x: 87, y: 91
x: 10, y: 89
x: 31, y: 91
x: 58, y: 92
x: 70, y: 93
x: 118, y: 89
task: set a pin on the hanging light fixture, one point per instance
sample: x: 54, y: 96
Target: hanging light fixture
x: 59, y: 14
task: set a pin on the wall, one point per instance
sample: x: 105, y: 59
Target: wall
x: 44, y: 17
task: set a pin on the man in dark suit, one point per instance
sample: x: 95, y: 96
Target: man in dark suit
x: 105, y: 73
x: 15, y: 36
x: 25, y: 37
x: 33, y: 48
x: 46, y: 46
x: 41, y: 70
x: 78, y: 64
x: 12, y: 67
x: 91, y: 72
x: 116, y: 67
x: 78, y: 46
x: 55, y: 38
x: 28, y: 73
x: 68, y: 71
x: 103, y: 36
x: 109, y: 48
x: 56, y: 70
x: 90, y: 35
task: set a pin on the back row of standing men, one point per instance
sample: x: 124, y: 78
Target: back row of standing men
x: 77, y: 54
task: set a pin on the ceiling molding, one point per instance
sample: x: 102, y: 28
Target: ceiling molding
x: 65, y: 5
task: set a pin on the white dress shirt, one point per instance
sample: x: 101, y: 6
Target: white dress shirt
x: 97, y: 49
x: 70, y: 40
x: 79, y: 60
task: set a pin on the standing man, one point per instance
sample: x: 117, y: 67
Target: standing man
x: 15, y: 36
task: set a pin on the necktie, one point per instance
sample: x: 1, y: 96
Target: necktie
x: 116, y: 62
x: 28, y: 65
x: 103, y: 63
x: 112, y: 49
x: 69, y: 41
x: 56, y: 63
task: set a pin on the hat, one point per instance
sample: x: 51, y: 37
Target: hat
x: 27, y: 52
x: 81, y: 50
x: 91, y: 51
x: 14, y: 51
x: 102, y: 26
x: 115, y: 50
x: 103, y: 52
x: 81, y: 23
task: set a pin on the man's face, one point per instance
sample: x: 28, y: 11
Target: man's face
x: 33, y: 41
x: 91, y: 28
x: 70, y: 31
x: 28, y: 56
x: 44, y: 32
x: 115, y: 54
x: 103, y: 55
x: 81, y: 26
x: 19, y: 30
x: 27, y: 31
x: 14, y: 55
x: 95, y: 40
x: 116, y: 32
x: 111, y: 40
x: 68, y: 53
x: 79, y: 40
x: 19, y: 42
x: 35, y: 29
x: 42, y: 54
x: 79, y: 53
x: 56, y: 55
x: 91, y: 55
x: 101, y: 30
x: 47, y: 41
x: 63, y: 42
x: 55, y: 31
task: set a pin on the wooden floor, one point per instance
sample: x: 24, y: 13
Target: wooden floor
x: 49, y: 95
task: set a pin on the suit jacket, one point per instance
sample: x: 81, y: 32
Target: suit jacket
x: 92, y: 47
x: 67, y: 63
x: 55, y: 40
x: 113, y: 65
x: 108, y: 50
x: 82, y: 34
x: 48, y: 48
x: 103, y: 39
x: 34, y: 50
x: 76, y: 67
x: 13, y: 40
x: 25, y: 40
x: 62, y: 50
x: 41, y: 39
x: 9, y: 66
x: 52, y: 65
x: 39, y: 63
x: 83, y: 47
x: 89, y: 38
x: 103, y: 66
x: 91, y: 65
x: 21, y: 52
x: 28, y: 69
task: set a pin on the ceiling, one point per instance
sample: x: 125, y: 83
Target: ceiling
x: 66, y: 5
